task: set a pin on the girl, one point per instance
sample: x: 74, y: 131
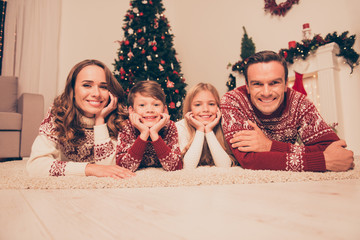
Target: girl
x: 200, y: 135
x: 77, y: 135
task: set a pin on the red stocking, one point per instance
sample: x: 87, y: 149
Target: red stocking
x: 298, y: 84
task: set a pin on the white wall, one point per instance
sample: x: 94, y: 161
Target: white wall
x: 208, y: 36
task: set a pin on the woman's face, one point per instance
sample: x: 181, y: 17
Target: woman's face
x: 204, y: 107
x: 91, y: 92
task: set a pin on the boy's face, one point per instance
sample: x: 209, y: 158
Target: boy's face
x: 148, y: 108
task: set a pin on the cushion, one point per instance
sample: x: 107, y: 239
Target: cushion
x: 8, y: 94
x: 10, y: 121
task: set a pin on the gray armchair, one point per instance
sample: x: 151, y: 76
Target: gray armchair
x: 20, y: 119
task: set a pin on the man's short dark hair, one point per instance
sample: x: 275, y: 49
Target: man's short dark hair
x: 265, y: 56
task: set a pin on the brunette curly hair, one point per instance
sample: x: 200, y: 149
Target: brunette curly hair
x: 68, y: 115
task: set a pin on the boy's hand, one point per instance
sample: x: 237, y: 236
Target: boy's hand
x: 210, y: 126
x: 193, y: 122
x: 101, y: 115
x: 135, y: 120
x: 154, y: 130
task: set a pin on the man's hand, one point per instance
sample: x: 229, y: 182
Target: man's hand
x: 337, y: 158
x: 113, y: 171
x: 251, y: 140
x: 135, y: 120
x: 101, y: 115
x: 193, y: 122
x: 154, y: 130
x: 210, y: 126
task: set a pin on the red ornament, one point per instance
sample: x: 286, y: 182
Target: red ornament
x: 162, y: 37
x: 177, y: 91
x: 162, y: 62
x: 285, y: 54
x: 141, y: 41
x: 175, y: 72
x: 292, y: 44
x: 122, y: 71
x: 143, y: 51
x: 150, y: 2
x: 127, y: 42
x: 139, y: 30
x: 121, y: 57
x: 154, y: 48
x: 172, y: 105
x: 141, y: 14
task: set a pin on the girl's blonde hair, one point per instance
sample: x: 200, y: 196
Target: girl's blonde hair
x: 206, y: 158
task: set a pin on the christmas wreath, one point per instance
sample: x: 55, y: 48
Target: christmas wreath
x: 279, y: 9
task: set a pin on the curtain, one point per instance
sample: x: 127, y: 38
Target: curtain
x: 2, y: 25
x: 31, y: 45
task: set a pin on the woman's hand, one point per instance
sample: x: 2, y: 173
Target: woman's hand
x: 100, y: 116
x: 210, y: 126
x: 193, y: 122
x: 113, y: 171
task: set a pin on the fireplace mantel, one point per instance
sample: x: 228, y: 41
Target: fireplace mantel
x: 324, y: 63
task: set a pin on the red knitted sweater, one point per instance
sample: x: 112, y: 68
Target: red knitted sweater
x: 296, y: 117
x: 134, y: 153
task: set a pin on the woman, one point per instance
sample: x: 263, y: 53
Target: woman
x: 77, y: 135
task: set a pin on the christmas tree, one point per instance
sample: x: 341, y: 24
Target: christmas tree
x: 147, y: 53
x: 247, y: 49
x: 247, y: 46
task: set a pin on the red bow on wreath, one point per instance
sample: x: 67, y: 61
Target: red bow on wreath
x: 279, y: 9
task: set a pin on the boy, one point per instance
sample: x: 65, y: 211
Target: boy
x: 149, y: 138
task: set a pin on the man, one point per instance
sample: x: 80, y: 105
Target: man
x: 263, y: 120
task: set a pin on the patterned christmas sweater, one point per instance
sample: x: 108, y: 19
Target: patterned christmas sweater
x: 296, y: 117
x: 134, y: 153
x: 50, y: 157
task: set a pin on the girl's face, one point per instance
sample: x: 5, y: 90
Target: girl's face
x: 204, y: 107
x: 91, y: 93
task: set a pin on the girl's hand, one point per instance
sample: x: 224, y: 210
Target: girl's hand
x: 193, y: 122
x: 113, y: 171
x: 135, y: 120
x: 100, y: 116
x: 210, y: 126
x: 154, y: 130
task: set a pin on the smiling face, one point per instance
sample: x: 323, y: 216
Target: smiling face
x: 91, y: 93
x: 148, y: 108
x: 204, y: 107
x: 266, y: 86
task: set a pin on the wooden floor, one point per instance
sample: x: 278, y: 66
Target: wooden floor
x: 310, y: 210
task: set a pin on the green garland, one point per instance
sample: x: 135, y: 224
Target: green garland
x: 306, y: 47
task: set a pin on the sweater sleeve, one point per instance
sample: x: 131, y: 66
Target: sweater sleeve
x: 283, y: 156
x: 220, y: 157
x: 45, y: 160
x: 192, y: 156
x: 167, y: 149
x: 130, y: 149
x: 104, y: 146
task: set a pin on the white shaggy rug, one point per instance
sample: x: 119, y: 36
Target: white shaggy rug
x: 13, y: 175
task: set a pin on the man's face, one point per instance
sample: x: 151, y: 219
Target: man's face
x: 266, y: 86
